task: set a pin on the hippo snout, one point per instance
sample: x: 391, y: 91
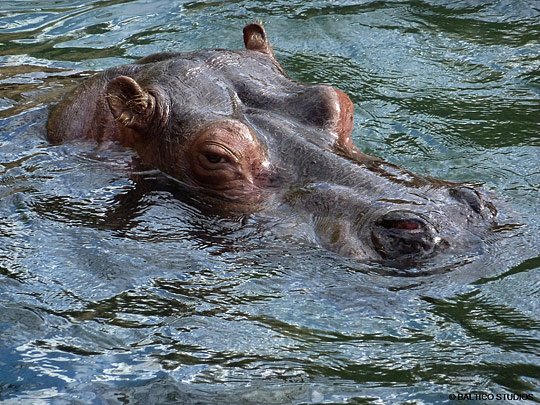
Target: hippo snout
x: 472, y: 199
x: 403, y: 235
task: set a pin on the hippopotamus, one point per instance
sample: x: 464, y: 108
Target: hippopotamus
x: 235, y: 130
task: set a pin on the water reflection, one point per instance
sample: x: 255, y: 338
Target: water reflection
x: 113, y: 287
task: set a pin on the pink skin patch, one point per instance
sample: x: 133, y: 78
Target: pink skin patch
x: 404, y: 224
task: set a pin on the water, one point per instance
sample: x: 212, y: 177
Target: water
x: 112, y: 290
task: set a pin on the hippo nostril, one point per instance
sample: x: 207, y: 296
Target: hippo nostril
x: 404, y: 224
x: 468, y: 196
x: 403, y: 235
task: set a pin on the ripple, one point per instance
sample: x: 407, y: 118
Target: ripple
x: 114, y: 288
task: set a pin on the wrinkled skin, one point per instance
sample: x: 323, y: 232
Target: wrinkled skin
x: 235, y: 130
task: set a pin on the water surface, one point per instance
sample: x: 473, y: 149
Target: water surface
x: 113, y: 290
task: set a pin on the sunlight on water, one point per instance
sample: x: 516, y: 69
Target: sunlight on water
x: 115, y: 289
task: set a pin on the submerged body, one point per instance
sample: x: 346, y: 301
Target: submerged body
x: 234, y: 129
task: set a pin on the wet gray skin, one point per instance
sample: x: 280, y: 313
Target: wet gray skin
x: 243, y: 137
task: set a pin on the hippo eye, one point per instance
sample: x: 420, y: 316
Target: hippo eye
x: 225, y: 156
x: 212, y: 155
x: 214, y: 158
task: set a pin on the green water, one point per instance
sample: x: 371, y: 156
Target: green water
x: 150, y: 301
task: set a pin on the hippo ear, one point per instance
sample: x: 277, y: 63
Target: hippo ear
x: 130, y: 104
x: 255, y: 39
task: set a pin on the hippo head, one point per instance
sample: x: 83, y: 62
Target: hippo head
x: 244, y: 137
x: 209, y: 118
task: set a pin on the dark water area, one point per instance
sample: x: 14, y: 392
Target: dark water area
x: 113, y: 290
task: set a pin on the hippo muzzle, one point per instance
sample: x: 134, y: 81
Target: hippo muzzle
x: 415, y: 225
